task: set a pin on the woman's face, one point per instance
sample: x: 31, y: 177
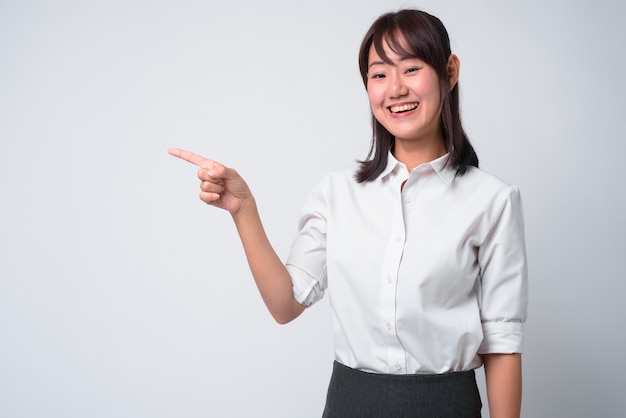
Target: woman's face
x: 404, y: 96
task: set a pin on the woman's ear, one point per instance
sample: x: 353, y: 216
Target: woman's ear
x: 454, y: 66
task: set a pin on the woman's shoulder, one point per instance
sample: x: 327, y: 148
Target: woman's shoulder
x: 479, y: 176
x: 336, y: 183
x: 343, y: 176
x: 333, y: 184
x: 485, y: 185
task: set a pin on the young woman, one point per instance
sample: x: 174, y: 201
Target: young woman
x: 422, y: 253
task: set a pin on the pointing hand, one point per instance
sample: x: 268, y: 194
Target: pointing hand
x: 220, y: 186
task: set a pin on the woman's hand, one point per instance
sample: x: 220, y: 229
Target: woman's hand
x: 220, y: 186
x: 223, y: 187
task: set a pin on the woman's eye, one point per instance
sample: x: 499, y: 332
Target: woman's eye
x: 412, y: 69
x: 378, y: 75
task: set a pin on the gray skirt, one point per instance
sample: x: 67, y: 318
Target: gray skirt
x: 358, y: 394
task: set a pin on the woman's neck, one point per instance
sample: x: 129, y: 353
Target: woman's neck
x: 414, y: 153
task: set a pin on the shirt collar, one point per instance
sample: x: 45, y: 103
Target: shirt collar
x: 445, y: 172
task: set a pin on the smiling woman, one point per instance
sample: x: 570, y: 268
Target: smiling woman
x: 421, y: 253
x: 419, y: 43
x: 405, y: 98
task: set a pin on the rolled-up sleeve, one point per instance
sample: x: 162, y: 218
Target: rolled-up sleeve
x: 504, y: 276
x: 307, y: 259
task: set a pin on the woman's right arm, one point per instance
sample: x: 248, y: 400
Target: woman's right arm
x: 224, y: 188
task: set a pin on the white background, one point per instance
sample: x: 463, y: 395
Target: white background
x: 122, y: 295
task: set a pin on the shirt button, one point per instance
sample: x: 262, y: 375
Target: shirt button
x: 388, y: 326
x: 399, y: 239
x: 407, y: 201
x: 389, y: 280
x: 398, y: 366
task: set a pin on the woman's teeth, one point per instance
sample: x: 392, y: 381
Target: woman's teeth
x: 403, y: 108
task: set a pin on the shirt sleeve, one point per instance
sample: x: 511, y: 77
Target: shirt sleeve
x: 504, y: 277
x: 307, y: 259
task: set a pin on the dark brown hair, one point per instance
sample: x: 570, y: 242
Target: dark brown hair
x: 414, y: 33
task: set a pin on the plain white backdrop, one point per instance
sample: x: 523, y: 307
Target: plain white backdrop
x: 122, y: 295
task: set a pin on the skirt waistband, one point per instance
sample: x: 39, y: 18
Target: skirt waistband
x: 355, y: 393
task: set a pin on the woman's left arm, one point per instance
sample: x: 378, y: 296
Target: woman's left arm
x: 503, y: 375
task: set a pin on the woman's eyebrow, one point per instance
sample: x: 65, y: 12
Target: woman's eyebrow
x: 402, y: 59
x: 376, y: 63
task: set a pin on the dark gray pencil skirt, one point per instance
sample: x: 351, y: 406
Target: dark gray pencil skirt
x: 358, y: 394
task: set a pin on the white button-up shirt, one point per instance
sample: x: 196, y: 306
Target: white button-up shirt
x: 421, y: 278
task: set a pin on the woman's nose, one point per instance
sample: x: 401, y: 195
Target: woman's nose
x: 397, y: 87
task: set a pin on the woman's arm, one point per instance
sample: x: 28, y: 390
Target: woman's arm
x: 224, y: 188
x: 504, y: 301
x: 269, y: 272
x: 503, y: 374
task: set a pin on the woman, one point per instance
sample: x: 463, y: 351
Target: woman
x: 422, y: 253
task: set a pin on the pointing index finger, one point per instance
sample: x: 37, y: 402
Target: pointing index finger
x: 191, y: 157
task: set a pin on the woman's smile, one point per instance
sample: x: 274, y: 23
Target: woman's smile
x: 403, y: 108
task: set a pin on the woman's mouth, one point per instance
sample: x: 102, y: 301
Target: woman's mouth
x: 403, y: 108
